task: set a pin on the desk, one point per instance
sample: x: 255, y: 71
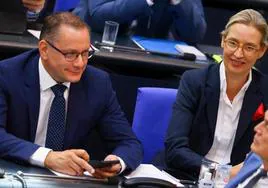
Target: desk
x: 127, y: 69
x: 12, y: 182
x: 15, y: 44
x: 11, y: 167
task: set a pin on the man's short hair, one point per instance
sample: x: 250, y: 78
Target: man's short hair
x: 249, y: 17
x: 52, y: 24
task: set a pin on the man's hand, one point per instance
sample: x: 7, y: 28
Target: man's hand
x: 34, y: 5
x: 108, y: 171
x: 73, y: 162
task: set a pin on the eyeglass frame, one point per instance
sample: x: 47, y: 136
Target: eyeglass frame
x: 90, y: 53
x: 243, y: 47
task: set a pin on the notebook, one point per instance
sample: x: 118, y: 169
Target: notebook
x: 167, y: 46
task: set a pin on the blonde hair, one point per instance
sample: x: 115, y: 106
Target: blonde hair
x: 249, y: 17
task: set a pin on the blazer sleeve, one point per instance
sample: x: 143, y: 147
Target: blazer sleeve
x: 117, y: 132
x: 12, y: 147
x: 121, y: 11
x: 189, y: 21
x: 178, y: 152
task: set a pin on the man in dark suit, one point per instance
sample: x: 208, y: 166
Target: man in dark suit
x: 253, y: 172
x: 213, y: 113
x: 88, y: 103
x: 183, y: 19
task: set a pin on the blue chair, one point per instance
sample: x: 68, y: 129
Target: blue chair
x: 151, y: 117
x: 65, y: 5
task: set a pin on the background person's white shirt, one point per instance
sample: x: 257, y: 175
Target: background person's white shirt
x: 227, y: 121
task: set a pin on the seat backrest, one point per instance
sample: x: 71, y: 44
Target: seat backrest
x: 65, y: 5
x: 151, y: 117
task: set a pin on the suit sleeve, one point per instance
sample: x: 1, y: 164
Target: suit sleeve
x: 189, y: 21
x: 178, y: 152
x: 121, y: 11
x: 117, y: 133
x: 12, y: 147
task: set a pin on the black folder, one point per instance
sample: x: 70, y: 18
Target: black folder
x: 12, y: 23
x: 12, y: 17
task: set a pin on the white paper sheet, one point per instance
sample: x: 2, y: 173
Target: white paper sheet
x: 87, y: 176
x: 35, y: 33
x: 148, y: 170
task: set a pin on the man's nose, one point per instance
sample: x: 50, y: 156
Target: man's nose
x: 79, y: 61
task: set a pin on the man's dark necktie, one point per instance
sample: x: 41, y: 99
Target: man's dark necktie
x: 256, y: 178
x: 56, y: 120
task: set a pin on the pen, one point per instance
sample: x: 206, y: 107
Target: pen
x: 120, y: 47
x: 186, y: 56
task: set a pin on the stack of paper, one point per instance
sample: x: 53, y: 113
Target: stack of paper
x: 150, y: 171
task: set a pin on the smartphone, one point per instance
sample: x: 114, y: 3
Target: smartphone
x: 103, y: 164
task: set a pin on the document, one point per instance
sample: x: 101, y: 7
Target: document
x: 150, y: 171
x: 35, y: 33
x: 87, y: 176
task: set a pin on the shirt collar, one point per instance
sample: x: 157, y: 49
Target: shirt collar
x: 262, y: 168
x: 46, y: 81
x: 223, y: 79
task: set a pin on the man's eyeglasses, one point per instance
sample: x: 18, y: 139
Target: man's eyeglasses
x: 72, y: 56
x: 248, y: 49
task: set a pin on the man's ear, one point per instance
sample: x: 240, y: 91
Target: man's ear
x: 42, y: 46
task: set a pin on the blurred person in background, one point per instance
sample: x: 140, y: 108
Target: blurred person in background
x: 179, y: 19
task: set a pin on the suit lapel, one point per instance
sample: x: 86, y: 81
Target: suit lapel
x: 212, y: 95
x: 32, y: 93
x: 252, y: 100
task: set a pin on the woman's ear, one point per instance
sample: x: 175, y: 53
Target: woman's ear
x: 262, y: 51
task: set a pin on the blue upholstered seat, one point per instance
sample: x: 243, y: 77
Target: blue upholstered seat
x: 151, y: 117
x: 65, y: 5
